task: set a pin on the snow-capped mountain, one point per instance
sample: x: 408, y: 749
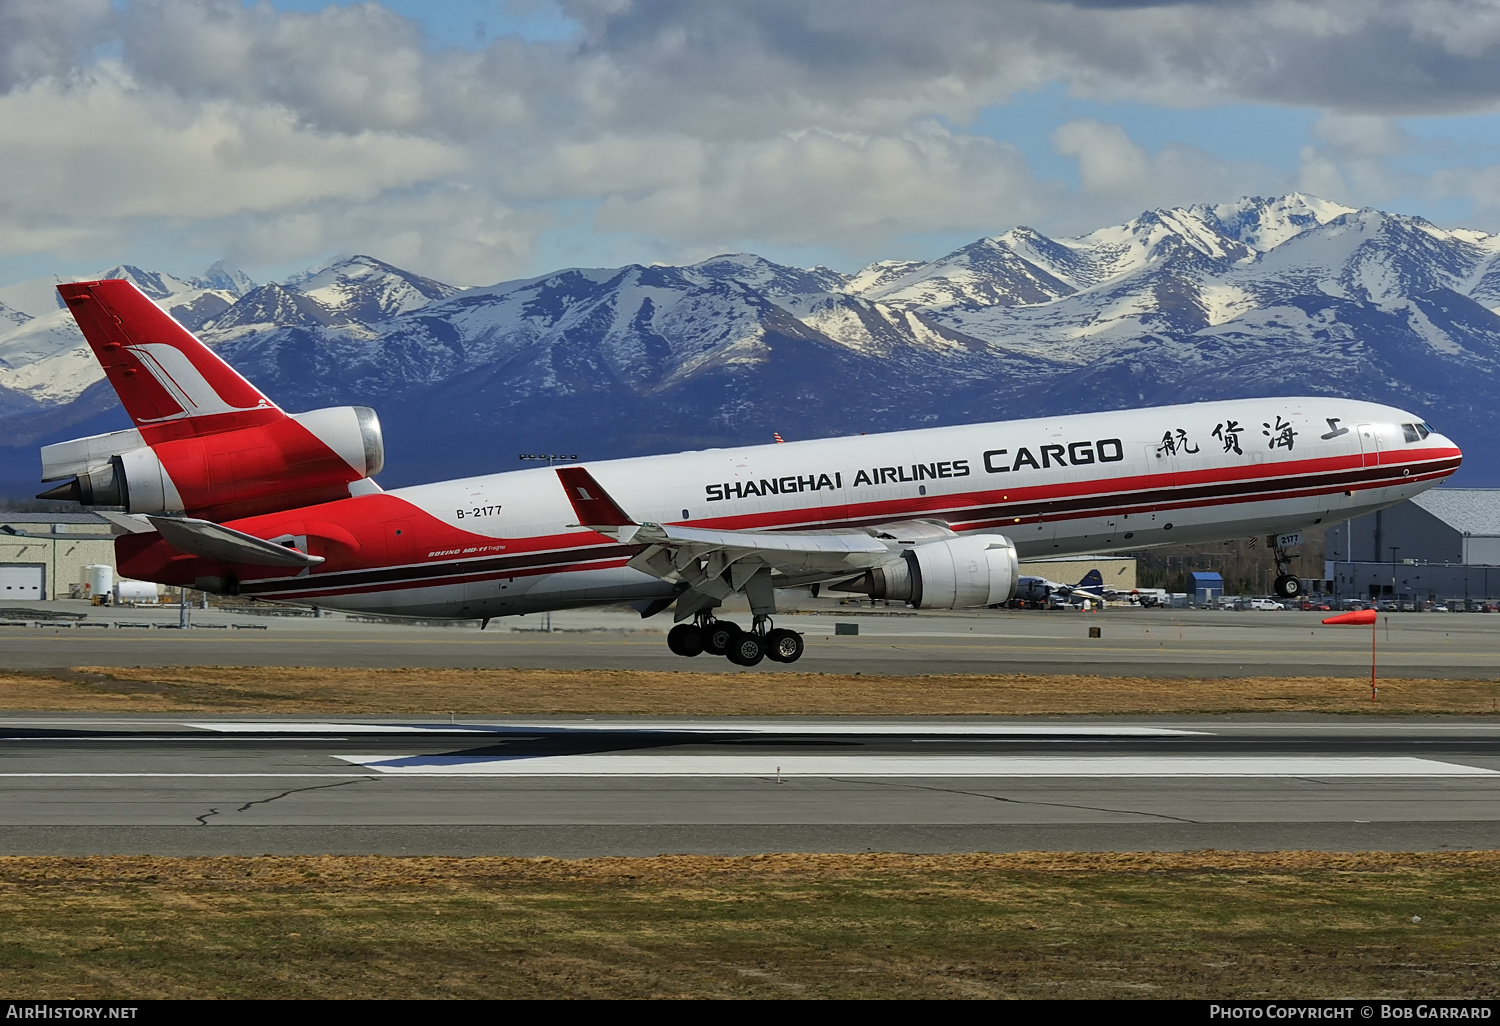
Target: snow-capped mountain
x: 1285, y: 295
x: 357, y: 292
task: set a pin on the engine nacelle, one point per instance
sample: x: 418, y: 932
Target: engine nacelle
x: 295, y: 461
x: 958, y: 573
x: 135, y: 480
x: 351, y: 431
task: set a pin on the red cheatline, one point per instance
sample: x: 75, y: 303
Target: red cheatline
x: 1359, y: 616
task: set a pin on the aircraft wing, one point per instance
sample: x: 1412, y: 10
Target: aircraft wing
x: 790, y: 554
x: 215, y: 541
x: 715, y: 561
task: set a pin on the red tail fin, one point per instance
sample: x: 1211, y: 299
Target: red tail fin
x: 163, y: 375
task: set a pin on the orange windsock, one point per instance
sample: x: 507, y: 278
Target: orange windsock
x: 1358, y: 616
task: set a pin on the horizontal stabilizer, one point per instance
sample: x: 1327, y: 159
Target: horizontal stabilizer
x: 215, y: 541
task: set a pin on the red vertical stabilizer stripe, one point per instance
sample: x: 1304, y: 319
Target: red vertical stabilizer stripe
x: 171, y: 384
x: 592, y: 504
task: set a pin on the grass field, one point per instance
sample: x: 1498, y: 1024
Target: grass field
x: 317, y: 691
x: 1018, y: 925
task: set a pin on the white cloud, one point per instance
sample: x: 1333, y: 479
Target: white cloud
x: 820, y: 188
x: 1350, y: 159
x: 40, y: 38
x: 692, y: 124
x: 103, y: 148
x: 1118, y: 177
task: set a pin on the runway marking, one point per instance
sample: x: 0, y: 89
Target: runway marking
x: 913, y: 766
x: 343, y: 728
x: 710, y: 727
x: 199, y: 776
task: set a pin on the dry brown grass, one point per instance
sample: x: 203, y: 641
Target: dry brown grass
x: 312, y: 690
x: 1208, y: 924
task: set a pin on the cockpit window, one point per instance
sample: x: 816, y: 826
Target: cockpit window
x: 1424, y: 429
x: 1410, y: 431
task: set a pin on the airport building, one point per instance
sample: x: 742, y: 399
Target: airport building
x: 1118, y: 571
x: 1441, y: 546
x: 43, y: 555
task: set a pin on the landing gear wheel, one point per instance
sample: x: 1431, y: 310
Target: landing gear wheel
x: 783, y: 646
x: 685, y: 640
x: 746, y: 649
x: 1287, y: 586
x: 719, y: 635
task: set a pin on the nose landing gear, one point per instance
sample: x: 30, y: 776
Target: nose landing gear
x: 741, y: 647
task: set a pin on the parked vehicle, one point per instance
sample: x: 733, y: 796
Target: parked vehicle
x: 1265, y: 603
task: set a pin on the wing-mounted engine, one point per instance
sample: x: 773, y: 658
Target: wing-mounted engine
x: 962, y: 572
x: 299, y: 460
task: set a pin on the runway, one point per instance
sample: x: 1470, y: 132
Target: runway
x: 91, y: 784
x: 1134, y: 642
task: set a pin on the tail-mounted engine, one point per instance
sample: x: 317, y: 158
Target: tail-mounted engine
x: 961, y: 573
x: 300, y: 460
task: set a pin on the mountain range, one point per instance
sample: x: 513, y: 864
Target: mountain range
x: 1263, y: 296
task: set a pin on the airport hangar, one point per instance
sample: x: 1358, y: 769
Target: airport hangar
x: 1442, y: 545
x: 43, y: 554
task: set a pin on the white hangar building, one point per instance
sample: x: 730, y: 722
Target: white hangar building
x: 42, y: 554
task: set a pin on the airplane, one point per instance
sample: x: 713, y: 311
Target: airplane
x: 217, y: 488
x: 1043, y: 594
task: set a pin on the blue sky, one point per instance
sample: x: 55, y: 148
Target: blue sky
x: 476, y: 141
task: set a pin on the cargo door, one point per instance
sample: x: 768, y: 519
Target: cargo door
x: 1369, y: 444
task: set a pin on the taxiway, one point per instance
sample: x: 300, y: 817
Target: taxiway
x: 1133, y: 642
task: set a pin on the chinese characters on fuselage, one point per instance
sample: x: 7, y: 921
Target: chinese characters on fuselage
x: 1172, y: 444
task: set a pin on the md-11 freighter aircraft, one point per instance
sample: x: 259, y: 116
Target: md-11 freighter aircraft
x: 223, y: 491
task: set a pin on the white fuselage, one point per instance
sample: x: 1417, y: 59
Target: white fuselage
x: 1087, y: 483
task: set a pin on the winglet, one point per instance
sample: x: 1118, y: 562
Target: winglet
x: 595, y: 509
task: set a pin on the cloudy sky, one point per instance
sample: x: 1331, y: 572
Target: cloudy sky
x: 478, y: 140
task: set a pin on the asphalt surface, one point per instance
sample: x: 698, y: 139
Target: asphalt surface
x: 92, y: 784
x: 1134, y: 642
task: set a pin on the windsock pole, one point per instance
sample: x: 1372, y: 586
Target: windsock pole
x: 1361, y: 616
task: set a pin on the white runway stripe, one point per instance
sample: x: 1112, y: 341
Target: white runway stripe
x: 712, y: 727
x: 915, y: 766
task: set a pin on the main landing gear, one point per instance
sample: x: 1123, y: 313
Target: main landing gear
x: 1287, y: 585
x: 741, y: 647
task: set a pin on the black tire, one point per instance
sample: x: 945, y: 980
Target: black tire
x: 719, y: 635
x: 1287, y: 587
x: 746, y: 649
x: 783, y: 646
x: 685, y: 640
